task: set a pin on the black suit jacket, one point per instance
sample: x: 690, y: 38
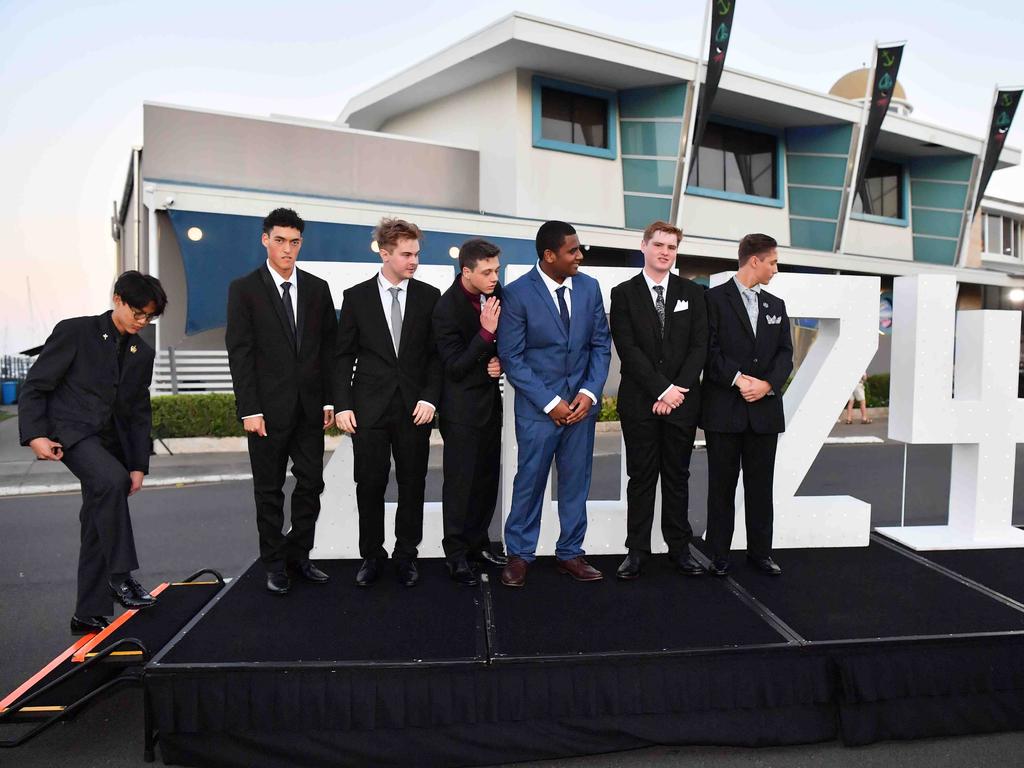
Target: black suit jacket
x: 76, y: 388
x: 469, y: 395
x: 272, y: 374
x: 367, y: 370
x: 732, y: 347
x: 652, y: 362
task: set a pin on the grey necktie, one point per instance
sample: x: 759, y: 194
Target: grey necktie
x: 750, y: 299
x: 396, y: 317
x: 659, y: 304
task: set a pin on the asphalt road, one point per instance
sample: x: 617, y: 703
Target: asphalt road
x: 181, y: 530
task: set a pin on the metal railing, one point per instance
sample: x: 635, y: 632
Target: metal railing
x: 192, y: 372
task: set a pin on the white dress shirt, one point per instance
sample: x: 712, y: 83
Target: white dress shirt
x: 294, y: 292
x: 654, y: 300
x: 552, y: 286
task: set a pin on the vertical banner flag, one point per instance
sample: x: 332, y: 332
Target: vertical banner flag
x: 1002, y: 117
x: 887, y: 66
x: 721, y: 30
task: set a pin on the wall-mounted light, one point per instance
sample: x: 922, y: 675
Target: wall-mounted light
x: 195, y: 234
x: 1017, y: 295
x: 454, y: 252
x: 374, y: 247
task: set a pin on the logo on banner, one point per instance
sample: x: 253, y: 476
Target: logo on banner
x: 724, y: 6
x: 885, y: 83
x: 722, y: 34
x: 887, y: 58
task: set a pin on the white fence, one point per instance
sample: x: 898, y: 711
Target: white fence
x: 190, y: 372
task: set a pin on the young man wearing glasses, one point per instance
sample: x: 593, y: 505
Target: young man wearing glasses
x: 86, y: 402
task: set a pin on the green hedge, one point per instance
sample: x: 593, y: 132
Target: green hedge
x: 195, y: 416
x: 876, y: 390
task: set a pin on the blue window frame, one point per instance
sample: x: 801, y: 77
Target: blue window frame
x: 739, y: 163
x: 882, y: 197
x: 568, y: 117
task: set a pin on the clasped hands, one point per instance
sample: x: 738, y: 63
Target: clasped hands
x: 752, y: 389
x: 566, y: 414
x: 671, y: 400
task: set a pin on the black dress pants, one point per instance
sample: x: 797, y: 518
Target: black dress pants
x: 472, y: 466
x: 394, y: 434
x: 107, y: 541
x: 658, y: 446
x: 727, y: 453
x: 303, y: 442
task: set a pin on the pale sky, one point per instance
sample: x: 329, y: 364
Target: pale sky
x: 73, y: 77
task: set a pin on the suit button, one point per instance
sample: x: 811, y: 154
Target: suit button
x: 755, y: 361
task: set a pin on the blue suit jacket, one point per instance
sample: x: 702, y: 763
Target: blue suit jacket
x: 540, y: 360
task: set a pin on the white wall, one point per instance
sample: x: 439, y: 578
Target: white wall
x: 483, y: 118
x: 563, y: 185
x: 868, y: 238
x: 723, y: 219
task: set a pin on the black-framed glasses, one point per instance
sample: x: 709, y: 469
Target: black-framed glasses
x: 140, y: 316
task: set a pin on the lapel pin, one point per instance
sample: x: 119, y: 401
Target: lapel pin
x: 104, y: 337
x: 766, y: 305
x: 133, y: 349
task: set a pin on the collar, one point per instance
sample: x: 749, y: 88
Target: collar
x: 278, y: 280
x: 473, y: 298
x: 550, y: 284
x: 108, y: 327
x: 651, y: 283
x: 383, y: 284
x: 742, y: 287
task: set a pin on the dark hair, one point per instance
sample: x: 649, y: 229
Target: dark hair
x: 551, y: 235
x: 473, y: 250
x: 390, y: 231
x: 755, y: 245
x: 282, y: 217
x: 138, y: 290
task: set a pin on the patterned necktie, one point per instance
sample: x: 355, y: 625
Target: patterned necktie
x: 289, y: 310
x: 750, y: 299
x: 396, y: 317
x: 563, y: 308
x: 659, y: 304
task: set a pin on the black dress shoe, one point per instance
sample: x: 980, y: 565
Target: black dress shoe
x: 631, y: 566
x: 486, y: 557
x: 278, y: 583
x: 720, y: 566
x: 687, y: 564
x: 130, y: 594
x: 765, y: 565
x: 368, y: 572
x: 88, y: 625
x: 408, y: 573
x: 461, y: 573
x: 310, y: 572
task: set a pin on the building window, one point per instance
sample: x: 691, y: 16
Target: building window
x: 736, y: 161
x: 573, y: 118
x: 1001, y: 235
x: 881, y: 192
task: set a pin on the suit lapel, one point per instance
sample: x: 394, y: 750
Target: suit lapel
x: 408, y: 317
x: 468, y: 319
x: 737, y: 304
x: 675, y: 295
x: 377, y: 310
x: 276, y: 303
x: 305, y: 296
x: 645, y: 297
x: 548, y: 301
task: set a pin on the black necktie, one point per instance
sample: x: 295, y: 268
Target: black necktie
x: 289, y: 311
x: 563, y: 308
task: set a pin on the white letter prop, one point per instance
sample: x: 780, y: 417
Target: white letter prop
x: 846, y: 308
x: 974, y: 406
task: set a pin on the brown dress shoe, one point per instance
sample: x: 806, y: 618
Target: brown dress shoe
x: 579, y: 569
x: 514, y: 573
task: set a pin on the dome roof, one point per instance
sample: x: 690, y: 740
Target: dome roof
x: 854, y: 84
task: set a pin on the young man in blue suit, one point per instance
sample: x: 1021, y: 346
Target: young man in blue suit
x: 554, y: 345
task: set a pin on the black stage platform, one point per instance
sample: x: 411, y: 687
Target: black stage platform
x: 857, y: 644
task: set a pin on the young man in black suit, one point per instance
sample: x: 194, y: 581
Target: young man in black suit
x: 465, y: 328
x: 387, y: 386
x: 659, y: 325
x: 280, y: 339
x: 750, y: 357
x: 86, y: 402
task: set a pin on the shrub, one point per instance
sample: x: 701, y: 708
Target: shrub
x: 609, y: 410
x: 876, y: 390
x: 211, y: 415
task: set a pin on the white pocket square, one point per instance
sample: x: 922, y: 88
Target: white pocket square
x: 773, y: 319
x: 681, y: 306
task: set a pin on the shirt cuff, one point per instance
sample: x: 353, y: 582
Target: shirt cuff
x: 734, y: 378
x: 328, y: 407
x: 424, y: 402
x: 488, y: 336
x: 662, y: 395
x: 551, y: 406
x: 251, y: 416
x: 591, y: 395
